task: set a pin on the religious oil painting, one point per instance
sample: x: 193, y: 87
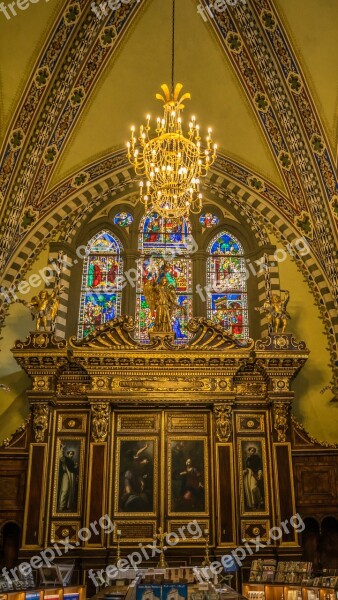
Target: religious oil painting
x: 188, y: 475
x: 253, y: 480
x: 68, y: 476
x: 135, y: 478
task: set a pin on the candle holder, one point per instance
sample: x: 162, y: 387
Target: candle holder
x: 206, y: 562
x: 162, y: 564
x: 118, y: 547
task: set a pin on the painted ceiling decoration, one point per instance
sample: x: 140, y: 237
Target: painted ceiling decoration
x: 71, y: 63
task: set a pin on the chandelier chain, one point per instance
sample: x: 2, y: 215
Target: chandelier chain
x: 173, y: 48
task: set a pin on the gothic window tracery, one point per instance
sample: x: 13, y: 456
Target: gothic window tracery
x: 164, y: 245
x: 226, y: 280
x: 100, y: 292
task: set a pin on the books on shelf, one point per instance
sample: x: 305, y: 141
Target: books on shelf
x: 263, y: 570
x: 284, y: 572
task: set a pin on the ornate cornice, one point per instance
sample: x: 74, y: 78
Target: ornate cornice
x: 117, y: 335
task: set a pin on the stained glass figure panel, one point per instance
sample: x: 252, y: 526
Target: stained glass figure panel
x: 226, y: 244
x: 101, y: 291
x: 230, y: 311
x: 208, y: 220
x: 227, y: 273
x: 226, y: 280
x: 161, y: 233
x: 99, y: 309
x: 180, y: 319
x: 177, y: 271
x: 123, y: 219
x: 164, y: 245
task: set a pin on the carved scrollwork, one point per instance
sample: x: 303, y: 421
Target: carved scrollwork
x: 278, y: 341
x: 40, y: 421
x: 280, y: 419
x: 100, y: 421
x: 223, y: 422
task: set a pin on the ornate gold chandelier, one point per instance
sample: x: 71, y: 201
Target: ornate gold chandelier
x: 171, y: 163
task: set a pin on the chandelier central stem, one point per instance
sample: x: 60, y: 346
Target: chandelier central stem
x: 173, y: 49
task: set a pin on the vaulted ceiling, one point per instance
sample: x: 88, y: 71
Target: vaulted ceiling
x: 262, y: 74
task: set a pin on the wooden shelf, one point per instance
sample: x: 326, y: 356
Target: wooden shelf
x: 49, y: 593
x: 287, y: 591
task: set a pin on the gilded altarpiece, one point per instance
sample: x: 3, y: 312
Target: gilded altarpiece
x: 157, y: 435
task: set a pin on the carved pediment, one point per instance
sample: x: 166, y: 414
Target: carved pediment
x: 117, y: 334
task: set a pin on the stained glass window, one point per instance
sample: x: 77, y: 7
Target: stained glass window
x: 226, y: 280
x: 209, y: 220
x: 123, y: 219
x: 164, y: 245
x: 101, y: 292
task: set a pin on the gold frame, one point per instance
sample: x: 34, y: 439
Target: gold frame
x: 263, y: 522
x: 188, y: 438
x: 119, y: 524
x: 43, y: 493
x: 172, y: 414
x: 137, y: 438
x: 139, y: 416
x: 56, y: 524
x: 253, y: 441
x: 203, y: 524
x: 259, y: 416
x: 82, y: 440
x: 61, y: 416
x: 218, y: 495
x: 294, y: 544
x: 92, y: 445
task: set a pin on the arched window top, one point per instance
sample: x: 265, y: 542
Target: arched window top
x: 160, y: 233
x: 104, y: 241
x: 224, y: 244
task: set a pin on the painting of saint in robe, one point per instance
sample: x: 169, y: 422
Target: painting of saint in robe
x: 253, y: 477
x: 136, y: 474
x: 68, y: 480
x: 187, y: 477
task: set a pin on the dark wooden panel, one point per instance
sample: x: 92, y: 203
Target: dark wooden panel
x: 316, y: 481
x: 286, y: 496
x: 96, y: 498
x: 225, y: 508
x: 35, y: 496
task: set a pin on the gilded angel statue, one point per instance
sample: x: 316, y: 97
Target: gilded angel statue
x: 45, y: 306
x: 161, y: 299
x: 275, y: 311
